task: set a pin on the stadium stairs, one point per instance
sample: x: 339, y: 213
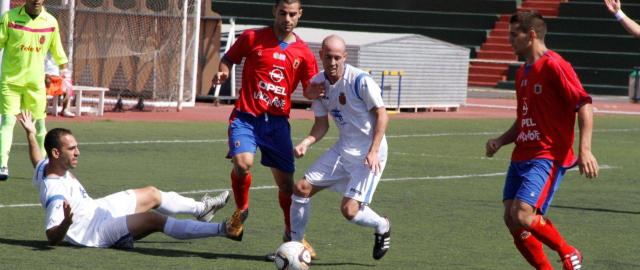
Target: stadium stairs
x: 461, y: 22
x: 601, y: 51
x: 492, y: 61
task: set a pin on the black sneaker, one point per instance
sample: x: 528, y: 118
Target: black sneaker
x: 382, y: 243
x: 4, y: 174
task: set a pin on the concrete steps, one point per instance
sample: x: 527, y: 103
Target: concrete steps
x: 496, y: 47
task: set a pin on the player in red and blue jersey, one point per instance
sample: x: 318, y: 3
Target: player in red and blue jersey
x: 276, y: 61
x: 549, y: 95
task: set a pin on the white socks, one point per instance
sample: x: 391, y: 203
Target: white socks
x: 300, y: 212
x: 190, y: 229
x: 368, y: 218
x: 173, y: 203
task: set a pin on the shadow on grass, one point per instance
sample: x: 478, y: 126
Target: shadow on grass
x: 605, y: 210
x: 33, y: 244
x: 187, y: 253
x: 597, y: 209
x: 214, y: 255
x: 316, y: 264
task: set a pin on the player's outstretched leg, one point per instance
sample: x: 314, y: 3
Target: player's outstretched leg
x: 6, y: 139
x: 363, y: 215
x: 240, y: 185
x: 142, y: 224
x: 300, y: 211
x: 192, y: 229
x: 212, y: 205
x: 382, y: 242
x: 544, y: 230
x: 531, y: 249
x: 171, y: 203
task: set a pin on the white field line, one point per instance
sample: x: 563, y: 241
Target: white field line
x: 595, y: 110
x: 391, y: 136
x: 509, y: 107
x: 441, y: 177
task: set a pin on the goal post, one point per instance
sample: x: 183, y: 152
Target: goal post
x: 138, y: 49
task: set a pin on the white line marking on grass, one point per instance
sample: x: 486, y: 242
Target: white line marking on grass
x: 485, y: 133
x: 156, y: 141
x: 595, y: 110
x: 509, y: 107
x: 449, y: 156
x: 19, y: 205
x: 445, y: 134
x: 490, y: 106
x: 441, y: 177
x: 617, y: 130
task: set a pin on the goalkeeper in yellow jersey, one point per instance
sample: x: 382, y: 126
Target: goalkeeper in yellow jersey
x: 27, y: 33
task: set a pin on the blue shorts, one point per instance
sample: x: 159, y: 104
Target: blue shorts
x: 533, y: 181
x: 271, y: 133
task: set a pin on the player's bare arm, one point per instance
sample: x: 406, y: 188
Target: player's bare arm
x: 382, y: 120
x: 615, y: 8
x: 223, y: 72
x: 318, y: 130
x: 57, y: 233
x: 509, y: 136
x: 29, y: 126
x: 586, y: 160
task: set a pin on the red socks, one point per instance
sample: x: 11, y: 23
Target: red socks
x: 531, y: 249
x: 544, y: 231
x: 240, y: 186
x: 285, y: 204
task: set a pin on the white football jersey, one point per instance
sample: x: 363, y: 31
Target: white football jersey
x: 350, y: 102
x: 53, y: 191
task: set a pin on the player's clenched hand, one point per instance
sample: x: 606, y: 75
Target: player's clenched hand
x: 588, y: 164
x: 301, y: 148
x: 220, y: 78
x: 373, y: 162
x: 314, y: 90
x: 493, y: 145
x: 612, y: 5
x: 27, y: 122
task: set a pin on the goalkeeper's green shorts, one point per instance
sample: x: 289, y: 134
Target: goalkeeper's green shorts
x: 13, y: 99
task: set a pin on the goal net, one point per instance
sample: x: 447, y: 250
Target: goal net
x: 136, y: 48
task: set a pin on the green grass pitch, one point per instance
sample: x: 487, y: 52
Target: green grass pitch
x: 442, y: 196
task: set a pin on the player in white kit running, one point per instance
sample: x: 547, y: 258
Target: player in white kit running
x: 353, y: 166
x: 116, y: 220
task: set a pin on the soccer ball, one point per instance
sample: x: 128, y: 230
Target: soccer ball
x: 292, y: 256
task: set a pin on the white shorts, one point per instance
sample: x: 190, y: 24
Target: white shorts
x: 349, y: 176
x: 114, y: 210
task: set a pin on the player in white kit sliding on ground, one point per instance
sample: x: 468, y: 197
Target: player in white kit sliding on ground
x: 114, y: 221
